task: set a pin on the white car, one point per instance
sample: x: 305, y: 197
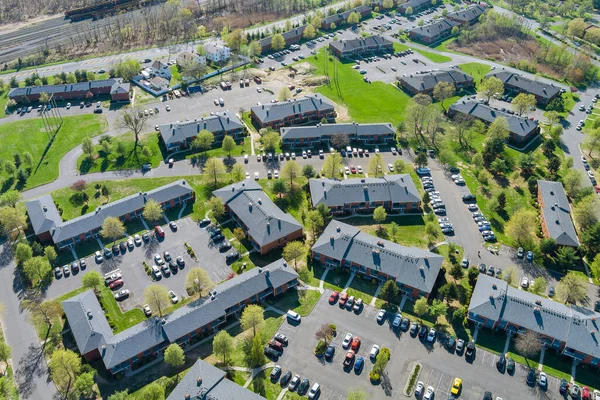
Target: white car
x: 584, y: 160
x: 419, y: 388
x: 247, y: 174
x: 347, y: 340
x: 168, y: 108
x: 256, y: 176
x: 347, y: 170
x: 391, y: 167
x: 472, y: 207
x: 173, y: 296
x: 156, y: 272
x: 246, y: 158
x: 431, y: 335
x: 374, y: 351
x: 428, y: 393
x: 525, y: 282
x: 137, y: 240
x: 543, y: 379
x: 590, y: 174
x: 158, y: 259
x: 216, y: 101
x: 275, y: 174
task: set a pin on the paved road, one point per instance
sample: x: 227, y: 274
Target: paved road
x: 27, y: 359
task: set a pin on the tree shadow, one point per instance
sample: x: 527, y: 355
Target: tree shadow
x: 86, y: 165
x: 29, y: 369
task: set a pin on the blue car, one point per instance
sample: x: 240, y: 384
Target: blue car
x: 485, y: 228
x: 359, y: 364
x: 529, y: 256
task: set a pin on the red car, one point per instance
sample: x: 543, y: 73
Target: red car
x: 274, y: 344
x: 116, y: 284
x: 159, y: 231
x: 585, y: 393
x: 355, y: 343
x: 353, y: 169
x: 343, y: 299
x: 334, y: 297
x: 349, y: 358
x: 597, y: 188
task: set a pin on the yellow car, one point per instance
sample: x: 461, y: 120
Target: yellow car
x: 456, y: 386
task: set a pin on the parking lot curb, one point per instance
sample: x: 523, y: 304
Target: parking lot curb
x: 408, y: 390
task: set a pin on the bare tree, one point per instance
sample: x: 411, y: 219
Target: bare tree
x: 134, y: 119
x: 528, y: 344
x: 324, y: 333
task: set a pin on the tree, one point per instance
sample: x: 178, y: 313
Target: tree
x: 105, y: 191
x: 253, y: 318
x: 223, y: 345
x: 294, y: 251
x: 5, y: 351
x: 523, y: 102
x: 324, y: 211
x: 152, y: 210
x: 577, y: 27
x: 586, y: 211
x: 133, y: 119
x: 539, y: 285
x: 573, y: 181
x: 44, y: 98
x: 122, y: 395
x: 217, y: 206
x: 399, y: 166
x: 92, y: 280
x: 389, y: 291
x: 548, y: 246
x: 228, y: 145
x: 324, y: 333
x: 566, y: 257
x: 284, y: 94
x: 50, y: 254
x: 23, y: 252
x: 528, y: 344
x: 236, y: 39
x: 375, y: 166
x: 277, y: 42
x: 254, y: 48
x: 393, y: 230
x: 332, y: 165
x: 421, y: 307
x: 87, y: 147
x: 456, y: 271
x: 239, y: 235
x: 127, y: 69
x: 40, y: 311
x: 153, y: 391
x: 64, y: 367
x: 309, y: 32
x: 27, y: 159
x: 203, y: 141
x: 213, y: 168
x: 257, y: 355
x: 112, y: 228
x: 198, y: 282
x: 421, y: 160
x: 353, y: 18
x: 291, y: 171
x: 572, y: 288
x: 442, y: 91
x: 270, y: 140
x: 84, y: 385
x: 10, y: 198
x: 12, y: 218
x: 409, y: 11
x: 521, y: 227
x: 332, y: 26
x: 357, y: 394
x: 157, y: 297
x: 308, y: 171
x: 174, y: 356
x: 279, y: 187
x: 314, y: 222
x: 387, y: 4
x: 438, y: 308
x: 591, y: 239
x: 379, y: 215
x: 490, y: 87
x: 36, y: 269
x: 238, y: 173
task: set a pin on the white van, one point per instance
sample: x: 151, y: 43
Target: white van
x: 293, y: 315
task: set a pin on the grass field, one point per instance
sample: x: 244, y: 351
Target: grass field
x: 476, y: 70
x: 121, y: 320
x: 128, y: 160
x: 375, y: 102
x: 29, y: 136
x: 3, y: 101
x: 436, y: 58
x: 444, y: 45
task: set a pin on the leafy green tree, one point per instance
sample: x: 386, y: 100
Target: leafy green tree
x: 572, y: 288
x: 203, y: 141
x: 257, y: 356
x: 213, y: 168
x: 548, y: 246
x: 153, y: 391
x: 442, y: 91
x: 421, y: 307
x: 112, y: 228
x: 490, y: 87
x: 586, y: 211
x: 357, y: 394
x: 438, y: 308
x: 294, y: 251
x: 521, y: 227
x: 456, y: 271
x: 314, y: 222
x: 332, y: 165
x: 65, y: 367
x: 279, y: 187
x: 152, y: 211
x: 10, y: 198
x: 197, y: 281
x: 393, y: 230
x: 5, y: 352
x: 277, y: 42
x: 23, y: 252
x: 92, y: 280
x: 157, y: 297
x: 539, y: 285
x: 523, y: 102
x: 217, y: 207
x: 421, y: 160
x: 223, y: 345
x: 228, y: 145
x: 12, y: 218
x: 36, y: 269
x: 174, y: 356
x: 253, y: 318
x: 375, y: 166
x: 389, y: 291
x: 459, y: 314
x: 84, y: 385
x: 291, y: 171
x: 566, y: 257
x: 309, y: 32
x: 122, y: 395
x: 308, y: 171
x: 238, y: 173
x: 379, y: 215
x: 127, y: 69
x: 270, y: 140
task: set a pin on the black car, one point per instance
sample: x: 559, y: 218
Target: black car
x: 487, y: 396
x: 214, y: 232
x: 564, y: 387
x: 304, y: 386
x: 115, y: 249
x: 271, y: 353
x: 531, y: 377
x: 414, y: 328
x: 218, y: 237
x: 146, y: 237
x: 173, y: 265
x: 470, y: 352
x: 501, y: 362
x: 482, y: 268
x: 404, y: 324
x: 451, y: 343
x: 123, y: 247
x: 597, y: 306
x: 423, y: 331
x: 330, y: 352
x: 275, y: 373
x: 285, y: 378
x: 205, y: 222
x: 468, y: 197
x: 234, y: 255
x: 510, y: 365
x: 224, y: 246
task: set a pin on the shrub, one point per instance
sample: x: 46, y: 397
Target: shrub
x: 459, y: 314
x: 375, y: 377
x: 320, y: 347
x: 333, y: 328
x: 413, y: 377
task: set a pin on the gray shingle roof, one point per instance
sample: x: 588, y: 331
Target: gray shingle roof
x: 352, y: 130
x: 220, y: 122
x: 517, y: 125
x: 43, y: 214
x: 435, y: 29
x: 279, y: 111
x: 557, y: 213
x: 88, y: 222
x: 410, y: 266
x: 398, y: 188
x: 359, y: 43
x: 341, y: 18
x: 92, y: 331
x: 112, y: 83
x: 494, y: 299
x: 538, y: 88
x: 204, y: 381
x: 415, y: 4
x: 291, y: 34
x: 424, y: 82
x: 467, y: 16
x: 265, y: 221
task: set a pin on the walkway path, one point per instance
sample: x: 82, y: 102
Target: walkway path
x: 574, y: 370
x: 506, y: 344
x: 374, y: 299
x: 256, y: 371
x: 541, y: 363
x: 352, y: 275
x: 322, y: 280
x: 475, y: 334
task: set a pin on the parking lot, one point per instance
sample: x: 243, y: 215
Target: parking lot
x: 134, y: 275
x: 440, y: 366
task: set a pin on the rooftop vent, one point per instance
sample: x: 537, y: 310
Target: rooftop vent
x: 45, y: 208
x: 199, y: 381
x: 259, y: 200
x: 494, y: 286
x: 89, y: 314
x: 259, y: 270
x: 187, y: 396
x: 338, y: 229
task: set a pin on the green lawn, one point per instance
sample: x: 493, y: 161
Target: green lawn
x: 261, y: 384
x: 476, y: 70
x: 129, y: 159
x: 436, y: 58
x: 3, y: 101
x: 411, y: 229
x: 444, y: 45
x: 30, y: 136
x: 175, y: 76
x: 561, y: 368
x: 301, y: 301
x: 120, y: 320
x: 244, y: 148
x: 374, y: 102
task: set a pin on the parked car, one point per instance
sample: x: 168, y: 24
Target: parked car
x: 359, y: 364
x: 349, y: 359
x: 397, y: 321
x: 414, y: 328
x: 419, y: 389
x: 381, y: 316
x: 460, y: 345
x: 329, y: 352
x: 121, y: 295
x: 173, y: 297
x: 343, y: 300
x: 470, y: 352
x: 275, y: 373
x: 347, y: 340
x: 281, y: 338
x: 355, y: 345
x: 147, y: 310
x: 334, y: 297
x: 116, y: 284
x: 431, y: 335
x: 271, y: 353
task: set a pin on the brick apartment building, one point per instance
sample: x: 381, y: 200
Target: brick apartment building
x: 425, y: 83
x: 434, y: 32
x: 291, y: 37
x: 114, y: 88
x: 310, y: 108
x: 347, y: 48
x: 322, y: 134
x: 515, y: 83
x: 556, y: 213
